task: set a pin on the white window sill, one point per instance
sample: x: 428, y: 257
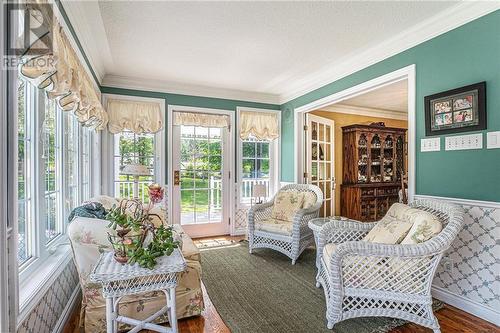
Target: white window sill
x: 33, y: 287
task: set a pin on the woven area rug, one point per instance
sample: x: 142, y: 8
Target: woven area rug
x: 264, y: 292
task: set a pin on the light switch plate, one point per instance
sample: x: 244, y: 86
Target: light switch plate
x: 493, y: 140
x: 430, y: 144
x: 464, y: 142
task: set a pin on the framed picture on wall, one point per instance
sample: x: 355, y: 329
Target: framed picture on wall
x: 457, y: 110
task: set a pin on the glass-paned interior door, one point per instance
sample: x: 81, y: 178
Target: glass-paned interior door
x: 200, y: 180
x: 320, y: 160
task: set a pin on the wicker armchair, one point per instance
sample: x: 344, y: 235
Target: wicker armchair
x: 365, y: 279
x: 301, y: 236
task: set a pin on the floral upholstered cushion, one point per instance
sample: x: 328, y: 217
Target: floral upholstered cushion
x: 425, y: 226
x: 275, y: 226
x: 388, y: 230
x: 286, y: 205
x: 106, y: 201
x: 89, y: 239
x: 309, y: 199
x: 398, y: 211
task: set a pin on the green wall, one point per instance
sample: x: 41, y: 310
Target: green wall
x: 466, y: 55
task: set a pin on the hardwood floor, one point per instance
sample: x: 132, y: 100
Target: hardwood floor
x: 451, y: 319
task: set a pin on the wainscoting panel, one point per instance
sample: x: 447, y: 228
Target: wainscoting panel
x: 475, y: 258
x: 45, y: 315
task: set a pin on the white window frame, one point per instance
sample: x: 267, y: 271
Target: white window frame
x: 274, y: 157
x: 41, y: 249
x: 108, y: 147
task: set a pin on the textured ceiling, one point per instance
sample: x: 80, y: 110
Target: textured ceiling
x: 247, y: 46
x: 393, y: 97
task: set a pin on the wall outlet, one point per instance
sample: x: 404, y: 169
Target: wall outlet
x: 430, y: 144
x: 464, y: 142
x: 447, y: 264
x: 493, y: 140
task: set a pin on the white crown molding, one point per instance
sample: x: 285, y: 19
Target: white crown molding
x: 441, y: 23
x: 116, y: 81
x: 95, y: 46
x: 467, y: 305
x: 463, y: 202
x: 364, y: 111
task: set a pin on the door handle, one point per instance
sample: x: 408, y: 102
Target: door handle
x: 177, y: 178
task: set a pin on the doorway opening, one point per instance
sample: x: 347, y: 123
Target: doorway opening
x: 358, y: 146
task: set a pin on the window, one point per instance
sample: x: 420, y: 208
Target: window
x: 258, y: 160
x: 50, y: 173
x: 71, y: 165
x: 255, y: 167
x: 52, y: 155
x: 24, y: 177
x: 86, y: 165
x: 137, y: 149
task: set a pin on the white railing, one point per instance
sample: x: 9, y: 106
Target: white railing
x: 245, y: 190
x: 125, y: 189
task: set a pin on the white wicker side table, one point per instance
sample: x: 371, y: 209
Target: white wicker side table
x: 119, y: 280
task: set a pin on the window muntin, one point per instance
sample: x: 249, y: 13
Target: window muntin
x: 255, y: 167
x: 133, y: 148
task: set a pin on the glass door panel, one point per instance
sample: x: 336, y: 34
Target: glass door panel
x: 198, y: 157
x: 319, y: 162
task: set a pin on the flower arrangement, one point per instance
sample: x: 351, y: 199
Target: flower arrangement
x: 156, y: 193
x: 137, y: 240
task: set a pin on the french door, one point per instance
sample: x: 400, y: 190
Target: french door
x: 319, y: 162
x: 201, y: 161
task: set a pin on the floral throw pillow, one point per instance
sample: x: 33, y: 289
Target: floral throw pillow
x: 388, y: 230
x: 286, y: 204
x: 309, y: 199
x: 425, y: 226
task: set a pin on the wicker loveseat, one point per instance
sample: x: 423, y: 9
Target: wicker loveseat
x: 288, y: 238
x: 363, y: 279
x: 88, y: 238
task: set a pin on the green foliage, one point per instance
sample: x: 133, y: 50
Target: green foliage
x: 118, y: 217
x: 162, y: 244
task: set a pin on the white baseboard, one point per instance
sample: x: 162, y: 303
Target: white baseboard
x: 68, y: 310
x: 465, y: 304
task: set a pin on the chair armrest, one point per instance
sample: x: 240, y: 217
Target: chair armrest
x: 259, y: 212
x: 361, y: 264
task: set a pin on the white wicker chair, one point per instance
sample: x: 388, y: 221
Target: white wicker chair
x: 301, y: 237
x: 366, y: 279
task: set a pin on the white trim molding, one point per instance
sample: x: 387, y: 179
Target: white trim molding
x: 467, y: 305
x: 364, y: 111
x: 436, y: 25
x: 464, y: 202
x: 170, y: 87
x: 407, y: 73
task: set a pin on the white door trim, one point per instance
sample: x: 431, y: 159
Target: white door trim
x: 405, y: 73
x: 180, y: 108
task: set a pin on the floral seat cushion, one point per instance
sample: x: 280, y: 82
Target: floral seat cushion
x: 275, y: 226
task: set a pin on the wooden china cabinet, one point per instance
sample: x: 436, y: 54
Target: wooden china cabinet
x: 373, y: 162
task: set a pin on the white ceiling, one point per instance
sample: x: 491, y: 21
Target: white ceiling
x: 263, y: 49
x: 393, y: 97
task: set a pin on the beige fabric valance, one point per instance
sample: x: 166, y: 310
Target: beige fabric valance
x: 261, y: 125
x: 136, y: 116
x: 62, y: 76
x: 201, y: 119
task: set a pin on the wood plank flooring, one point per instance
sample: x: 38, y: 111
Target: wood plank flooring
x: 451, y: 319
